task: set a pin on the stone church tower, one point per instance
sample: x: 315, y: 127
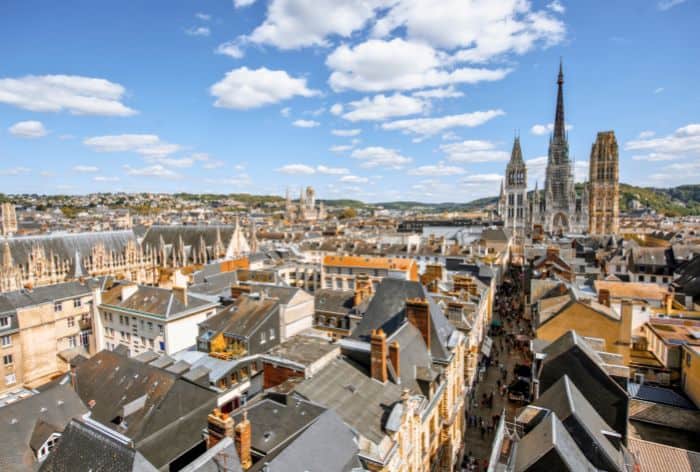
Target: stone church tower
x: 514, y: 206
x: 8, y: 217
x: 604, y: 204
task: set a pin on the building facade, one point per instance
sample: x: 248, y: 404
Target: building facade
x: 306, y: 209
x: 513, y: 205
x: 560, y: 210
x: 604, y: 178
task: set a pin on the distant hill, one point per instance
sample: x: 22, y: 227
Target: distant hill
x: 676, y: 201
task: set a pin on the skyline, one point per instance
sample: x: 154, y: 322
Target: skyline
x: 389, y: 101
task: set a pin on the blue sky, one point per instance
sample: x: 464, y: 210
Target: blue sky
x: 371, y: 99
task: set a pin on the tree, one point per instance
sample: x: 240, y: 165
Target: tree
x: 348, y: 213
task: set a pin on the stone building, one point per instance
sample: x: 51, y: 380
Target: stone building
x: 8, y: 219
x: 561, y: 210
x: 513, y: 205
x: 306, y: 209
x: 604, y: 204
x: 34, y: 261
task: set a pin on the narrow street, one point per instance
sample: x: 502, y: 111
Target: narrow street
x: 510, y: 334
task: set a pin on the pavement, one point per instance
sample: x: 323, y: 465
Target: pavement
x: 478, y: 445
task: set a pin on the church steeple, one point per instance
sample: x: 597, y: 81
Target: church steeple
x: 516, y: 155
x: 559, y: 125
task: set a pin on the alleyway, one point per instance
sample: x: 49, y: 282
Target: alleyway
x: 505, y: 355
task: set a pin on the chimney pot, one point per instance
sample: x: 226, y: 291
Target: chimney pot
x: 418, y: 314
x: 394, y: 357
x: 378, y: 353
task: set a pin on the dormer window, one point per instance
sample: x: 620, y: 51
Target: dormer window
x: 48, y: 446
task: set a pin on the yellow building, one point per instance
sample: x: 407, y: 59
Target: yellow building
x: 340, y: 272
x: 690, y: 373
x: 41, y: 329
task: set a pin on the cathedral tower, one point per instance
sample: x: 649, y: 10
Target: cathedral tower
x: 604, y: 195
x: 515, y: 206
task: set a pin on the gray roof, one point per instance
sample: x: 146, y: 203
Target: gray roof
x: 361, y: 401
x: 215, y: 285
x: 222, y: 457
x: 303, y: 350
x: 387, y: 310
x: 583, y: 423
x: 66, y: 245
x: 549, y: 446
x: 190, y: 235
x: 328, y: 444
x: 54, y: 407
x: 242, y: 318
x: 84, y: 446
x: 156, y: 301
x: 43, y: 294
x: 334, y: 301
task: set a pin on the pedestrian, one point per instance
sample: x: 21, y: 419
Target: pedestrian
x: 483, y: 431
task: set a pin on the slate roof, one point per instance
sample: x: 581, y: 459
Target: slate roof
x: 54, y: 407
x: 66, y: 245
x: 549, y: 446
x: 661, y: 395
x: 190, y: 235
x: 334, y: 301
x: 43, y: 294
x: 387, y: 310
x: 303, y: 350
x: 583, y: 423
x: 155, y: 301
x: 161, y: 412
x: 689, y: 279
x: 222, y: 457
x: 241, y: 318
x: 85, y: 447
x: 217, y: 284
x: 328, y: 444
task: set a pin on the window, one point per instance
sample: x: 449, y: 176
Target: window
x: 160, y: 329
x: 4, y: 321
x: 70, y: 321
x: 7, y: 359
x: 72, y: 342
x: 272, y: 334
x: 85, y: 339
x: 150, y: 343
x: 150, y: 325
x: 57, y: 306
x: 77, y: 303
x: 339, y: 283
x: 262, y: 337
x: 5, y: 341
x: 10, y: 379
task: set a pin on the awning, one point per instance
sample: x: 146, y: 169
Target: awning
x: 486, y: 346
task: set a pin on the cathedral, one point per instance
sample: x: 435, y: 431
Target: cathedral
x: 558, y: 208
x: 306, y: 209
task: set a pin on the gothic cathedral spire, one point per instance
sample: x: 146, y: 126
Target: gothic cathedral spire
x: 559, y: 124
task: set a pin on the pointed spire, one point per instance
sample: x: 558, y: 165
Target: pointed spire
x: 6, y: 255
x: 516, y: 154
x: 559, y: 125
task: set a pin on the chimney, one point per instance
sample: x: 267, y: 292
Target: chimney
x: 181, y: 294
x: 626, y: 311
x: 243, y: 442
x: 29, y: 287
x: 418, y: 314
x: 219, y: 426
x: 128, y: 290
x: 604, y: 297
x: 552, y: 251
x: 238, y: 290
x: 668, y: 302
x: 378, y: 355
x: 394, y: 357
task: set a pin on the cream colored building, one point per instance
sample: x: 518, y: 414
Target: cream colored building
x: 41, y: 329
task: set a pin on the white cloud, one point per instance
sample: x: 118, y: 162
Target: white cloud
x: 377, y: 156
x: 28, y: 129
x: 245, y: 88
x: 378, y: 65
x: 15, y: 171
x: 479, y: 30
x: 104, y: 178
x: 213, y: 164
x: 198, y: 31
x: 473, y: 151
x: 647, y: 134
x: 240, y: 180
x: 341, y: 148
x: 481, y: 179
x: 294, y: 169
x: 332, y: 170
x: 430, y: 126
x: 556, y: 6
x: 156, y: 170
x: 286, y: 111
x: 83, y: 169
x: 354, y: 179
x: 658, y: 90
x: 438, y: 170
x: 231, y: 49
x: 381, y: 107
x: 203, y: 16
x: 439, y: 93
x: 337, y: 109
x: 346, y: 132
x: 306, y: 123
x: 292, y: 24
x: 148, y: 145
x: 664, y: 5
x: 541, y: 130
x: 682, y: 143
x: 242, y: 3
x: 77, y: 94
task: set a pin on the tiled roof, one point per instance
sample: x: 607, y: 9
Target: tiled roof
x: 655, y: 457
x: 369, y: 262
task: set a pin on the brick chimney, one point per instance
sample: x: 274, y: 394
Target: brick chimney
x: 363, y: 289
x: 668, y: 303
x: 243, y: 442
x: 181, y: 294
x: 418, y: 313
x: 219, y: 426
x: 626, y: 314
x: 604, y: 297
x: 552, y: 251
x: 394, y: 357
x: 378, y: 351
